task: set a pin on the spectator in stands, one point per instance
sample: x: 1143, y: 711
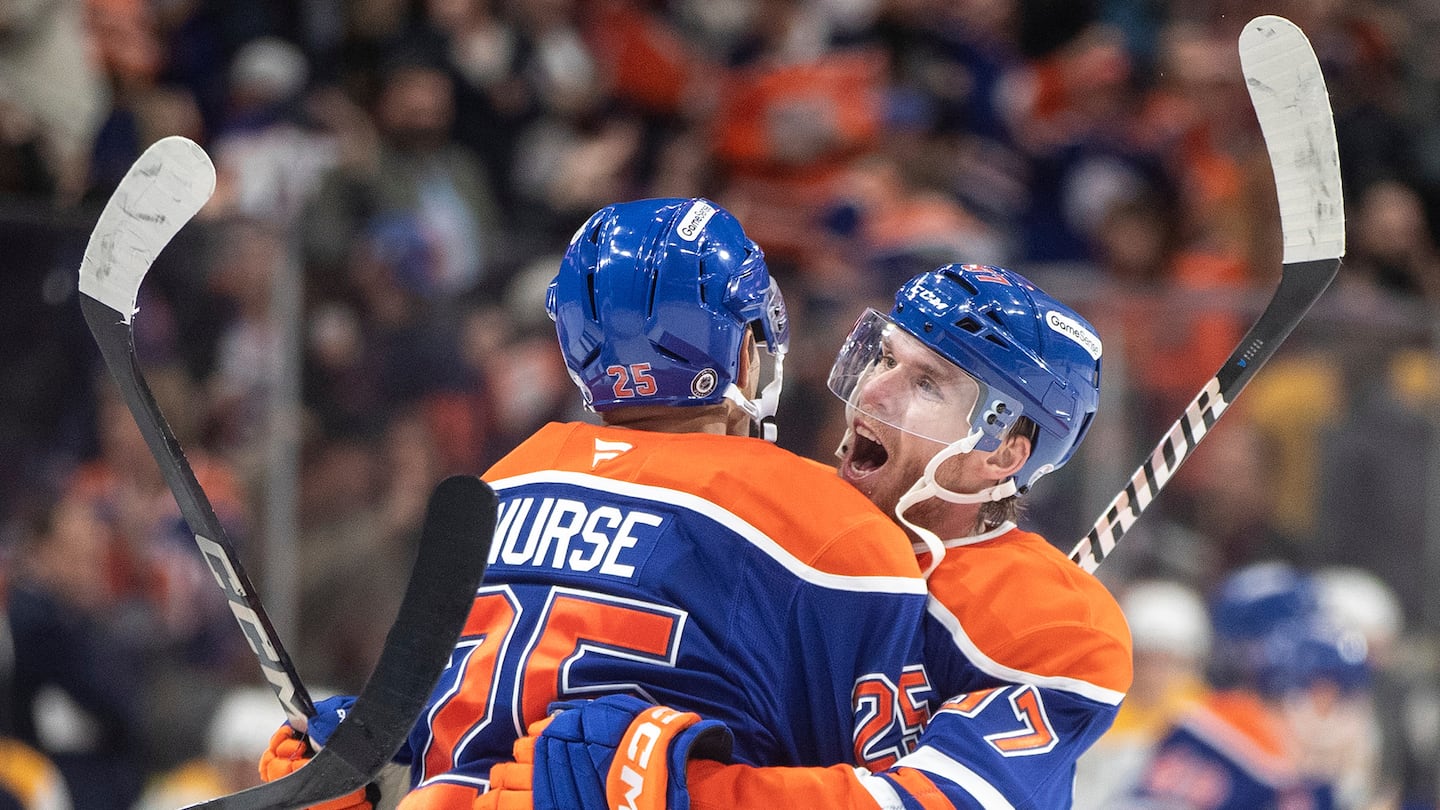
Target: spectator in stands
x: 1275, y: 661
x: 76, y: 689
x: 276, y: 137
x: 248, y: 259
x: 29, y: 780
x: 362, y: 501
x: 417, y: 173
x: 1170, y: 630
x: 1394, y: 251
x: 157, y: 592
x: 53, y: 97
x: 243, y: 720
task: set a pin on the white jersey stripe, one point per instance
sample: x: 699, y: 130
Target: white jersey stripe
x: 880, y: 790
x: 989, y: 666
x: 731, y: 521
x: 992, y: 667
x: 933, y: 762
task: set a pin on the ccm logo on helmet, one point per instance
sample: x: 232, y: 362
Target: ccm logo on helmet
x: 694, y: 221
x: 1072, y: 329
x: 931, y: 298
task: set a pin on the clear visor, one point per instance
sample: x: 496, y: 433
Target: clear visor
x: 886, y: 374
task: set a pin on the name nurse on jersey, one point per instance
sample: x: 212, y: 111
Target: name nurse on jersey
x: 571, y: 535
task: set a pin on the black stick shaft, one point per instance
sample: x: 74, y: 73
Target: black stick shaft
x: 115, y: 338
x: 1301, y: 284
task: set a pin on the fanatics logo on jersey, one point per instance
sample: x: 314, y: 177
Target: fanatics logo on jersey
x: 604, y: 451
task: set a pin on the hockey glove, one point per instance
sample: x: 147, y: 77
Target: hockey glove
x: 619, y: 751
x: 289, y: 751
x: 329, y: 713
x: 510, y: 782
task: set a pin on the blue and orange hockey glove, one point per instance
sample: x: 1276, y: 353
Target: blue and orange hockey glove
x: 511, y: 782
x: 614, y: 752
x: 329, y: 714
x: 289, y: 751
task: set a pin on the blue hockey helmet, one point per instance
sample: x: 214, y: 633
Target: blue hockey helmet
x: 1028, y: 354
x: 1312, y: 654
x: 1256, y: 600
x: 652, y: 303
x: 1272, y: 635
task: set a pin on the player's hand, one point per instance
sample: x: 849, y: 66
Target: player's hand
x: 510, y: 782
x: 329, y: 714
x: 619, y: 751
x: 289, y: 751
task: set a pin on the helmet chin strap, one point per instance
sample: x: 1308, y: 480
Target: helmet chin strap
x: 926, y: 488
x: 761, y: 409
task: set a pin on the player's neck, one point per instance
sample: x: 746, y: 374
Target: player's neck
x: 712, y: 419
x: 949, y: 521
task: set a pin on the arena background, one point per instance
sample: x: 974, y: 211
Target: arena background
x: 359, y: 310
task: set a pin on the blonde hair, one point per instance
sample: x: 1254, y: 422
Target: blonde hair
x: 994, y: 513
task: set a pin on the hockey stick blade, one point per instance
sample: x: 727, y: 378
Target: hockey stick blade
x: 454, y: 546
x: 1292, y: 105
x: 165, y: 187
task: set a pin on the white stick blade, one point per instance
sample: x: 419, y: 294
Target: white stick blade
x: 165, y: 188
x: 1293, y: 107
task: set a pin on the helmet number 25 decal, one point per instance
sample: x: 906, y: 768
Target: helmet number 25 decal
x: 633, y: 380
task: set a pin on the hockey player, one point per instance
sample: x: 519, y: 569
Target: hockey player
x: 1275, y: 660
x: 1170, y: 630
x: 974, y: 386
x: 667, y: 553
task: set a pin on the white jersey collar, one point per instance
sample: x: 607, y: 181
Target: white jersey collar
x: 1009, y: 525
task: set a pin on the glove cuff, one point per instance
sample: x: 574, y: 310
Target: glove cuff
x: 648, y: 772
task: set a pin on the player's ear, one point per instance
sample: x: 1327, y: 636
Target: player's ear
x: 748, y: 374
x: 1010, y: 456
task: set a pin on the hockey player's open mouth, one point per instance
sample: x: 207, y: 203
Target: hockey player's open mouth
x: 866, y: 453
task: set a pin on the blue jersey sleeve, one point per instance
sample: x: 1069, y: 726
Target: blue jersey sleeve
x: 1193, y: 767
x: 1013, y: 745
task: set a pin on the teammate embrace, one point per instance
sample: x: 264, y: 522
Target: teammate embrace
x: 888, y: 635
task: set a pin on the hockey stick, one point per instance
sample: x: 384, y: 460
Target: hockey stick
x: 1288, y: 92
x: 161, y: 192
x: 454, y: 545
x: 165, y: 187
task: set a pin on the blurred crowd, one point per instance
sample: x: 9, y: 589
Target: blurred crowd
x: 1275, y: 689
x: 397, y: 179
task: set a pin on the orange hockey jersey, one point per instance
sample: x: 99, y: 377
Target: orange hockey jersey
x: 1026, y: 660
x: 715, y: 574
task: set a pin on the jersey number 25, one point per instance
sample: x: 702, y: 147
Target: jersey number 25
x: 572, y: 625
